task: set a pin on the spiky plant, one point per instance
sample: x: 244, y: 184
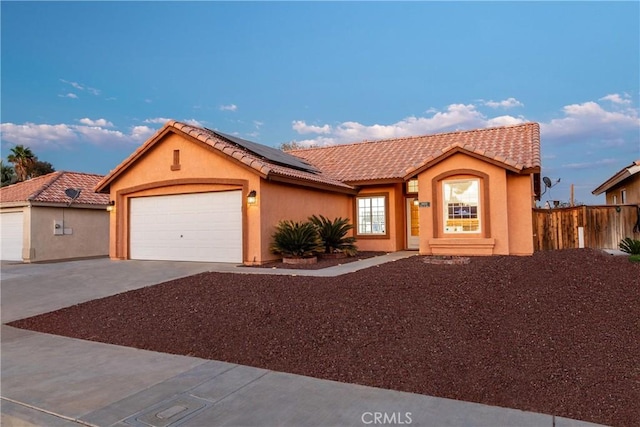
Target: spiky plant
x: 295, y: 239
x: 630, y: 246
x: 333, y: 234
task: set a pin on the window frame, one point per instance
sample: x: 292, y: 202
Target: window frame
x: 484, y: 207
x: 623, y: 196
x: 477, y: 204
x: 356, y: 204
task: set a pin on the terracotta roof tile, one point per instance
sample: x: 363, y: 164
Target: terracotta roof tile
x: 51, y: 188
x: 516, y: 146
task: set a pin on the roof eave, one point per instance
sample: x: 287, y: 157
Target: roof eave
x: 104, y: 185
x: 285, y: 179
x: 519, y: 169
x: 612, y: 182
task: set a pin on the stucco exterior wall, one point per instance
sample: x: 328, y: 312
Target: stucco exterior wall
x: 277, y: 202
x: 520, y: 201
x: 200, y: 169
x: 500, y: 198
x: 395, y: 238
x: 85, y: 233
x: 632, y: 187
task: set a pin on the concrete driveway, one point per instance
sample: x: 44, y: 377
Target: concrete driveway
x: 30, y: 289
x: 49, y: 380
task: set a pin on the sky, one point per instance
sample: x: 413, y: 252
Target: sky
x: 83, y: 84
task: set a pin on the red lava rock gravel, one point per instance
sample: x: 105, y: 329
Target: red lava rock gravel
x: 557, y: 332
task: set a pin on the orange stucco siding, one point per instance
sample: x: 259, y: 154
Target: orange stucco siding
x: 201, y: 169
x: 519, y: 210
x: 395, y: 238
x: 277, y: 202
x: 501, y: 197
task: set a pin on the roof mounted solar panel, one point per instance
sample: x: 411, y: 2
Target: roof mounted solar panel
x: 272, y: 154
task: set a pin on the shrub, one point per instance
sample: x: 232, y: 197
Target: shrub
x: 333, y: 234
x: 630, y: 246
x: 295, y: 239
x: 634, y: 258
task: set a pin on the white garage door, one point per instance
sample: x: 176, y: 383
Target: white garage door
x: 11, y: 231
x: 187, y: 227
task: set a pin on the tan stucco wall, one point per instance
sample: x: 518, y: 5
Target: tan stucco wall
x: 504, y: 200
x: 631, y: 185
x: 86, y: 233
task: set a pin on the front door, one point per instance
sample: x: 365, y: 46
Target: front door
x: 413, y: 226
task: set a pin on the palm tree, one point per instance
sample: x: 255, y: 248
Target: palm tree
x: 23, y: 159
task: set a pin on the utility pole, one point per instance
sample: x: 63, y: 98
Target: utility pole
x: 571, y: 200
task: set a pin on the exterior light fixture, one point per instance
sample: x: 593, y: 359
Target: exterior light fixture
x: 416, y: 202
x: 111, y: 206
x: 252, y: 198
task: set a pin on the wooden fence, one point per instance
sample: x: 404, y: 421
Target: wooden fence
x: 597, y: 227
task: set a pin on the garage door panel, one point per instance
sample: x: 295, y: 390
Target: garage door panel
x: 11, y: 236
x: 188, y: 227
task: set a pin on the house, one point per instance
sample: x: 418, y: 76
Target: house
x: 623, y: 187
x: 190, y: 193
x: 53, y: 217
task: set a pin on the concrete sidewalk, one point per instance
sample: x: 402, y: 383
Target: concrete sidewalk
x: 49, y: 380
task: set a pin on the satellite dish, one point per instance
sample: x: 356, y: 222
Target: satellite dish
x: 547, y: 181
x: 72, y: 193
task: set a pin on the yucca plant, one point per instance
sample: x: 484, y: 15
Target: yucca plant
x: 630, y: 246
x: 295, y: 239
x: 333, y: 234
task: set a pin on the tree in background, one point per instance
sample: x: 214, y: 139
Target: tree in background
x: 8, y: 175
x: 41, y: 168
x: 22, y: 158
x: 25, y: 166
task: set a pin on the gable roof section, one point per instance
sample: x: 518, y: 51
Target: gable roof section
x: 268, y: 162
x: 51, y: 188
x: 618, y: 178
x: 516, y: 148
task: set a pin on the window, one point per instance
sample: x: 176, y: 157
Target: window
x: 372, y: 215
x: 623, y: 196
x: 615, y: 199
x: 461, y: 206
x: 412, y: 186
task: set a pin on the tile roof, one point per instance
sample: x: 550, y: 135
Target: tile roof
x: 265, y: 167
x: 515, y: 147
x: 51, y: 188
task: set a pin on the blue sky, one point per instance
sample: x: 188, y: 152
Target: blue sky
x: 85, y: 83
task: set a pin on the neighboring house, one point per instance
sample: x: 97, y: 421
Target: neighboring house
x: 622, y: 188
x: 190, y: 193
x: 39, y: 221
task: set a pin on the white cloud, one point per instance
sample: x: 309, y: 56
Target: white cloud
x: 81, y: 86
x: 40, y: 135
x: 69, y: 95
x: 507, y: 103
x: 141, y: 133
x: 99, y: 122
x: 590, y: 119
x: 194, y: 122
x: 301, y: 127
x: 616, y: 98
x: 230, y: 107
x: 161, y: 120
x: 455, y: 117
